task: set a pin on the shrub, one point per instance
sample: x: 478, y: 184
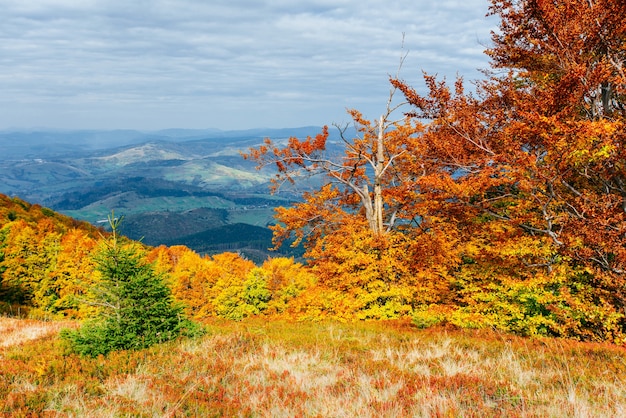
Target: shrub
x: 428, y: 316
x: 248, y: 299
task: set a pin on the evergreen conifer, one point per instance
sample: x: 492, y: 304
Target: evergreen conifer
x: 136, y: 308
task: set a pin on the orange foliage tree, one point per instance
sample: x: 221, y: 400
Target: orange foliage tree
x: 518, y: 190
x: 532, y: 168
x: 66, y: 285
x: 196, y: 280
x: 29, y: 255
x: 45, y: 268
x: 44, y: 259
x: 366, y: 229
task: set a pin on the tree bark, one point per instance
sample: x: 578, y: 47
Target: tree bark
x: 378, y: 173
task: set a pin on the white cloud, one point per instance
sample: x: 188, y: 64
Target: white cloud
x: 225, y: 63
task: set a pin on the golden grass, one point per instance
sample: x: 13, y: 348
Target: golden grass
x: 15, y: 331
x: 280, y: 369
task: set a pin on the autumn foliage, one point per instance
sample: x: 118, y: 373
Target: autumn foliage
x: 51, y: 267
x: 505, y: 206
x: 45, y: 261
x: 502, y: 206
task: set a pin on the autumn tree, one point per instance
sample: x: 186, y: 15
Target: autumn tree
x: 43, y: 259
x: 286, y: 279
x: 29, y: 253
x: 571, y: 56
x: 525, y: 176
x: 364, y: 229
x: 68, y: 281
x: 365, y: 178
x: 531, y: 166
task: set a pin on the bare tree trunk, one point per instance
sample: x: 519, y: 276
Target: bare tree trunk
x: 370, y: 210
x: 378, y: 173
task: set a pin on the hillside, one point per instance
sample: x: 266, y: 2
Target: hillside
x: 270, y: 364
x: 275, y: 368
x: 48, y: 262
x: 14, y: 208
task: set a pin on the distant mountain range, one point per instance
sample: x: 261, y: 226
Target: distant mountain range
x: 20, y: 144
x: 175, y: 186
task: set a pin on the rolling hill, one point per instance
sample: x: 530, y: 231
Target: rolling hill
x: 173, y: 186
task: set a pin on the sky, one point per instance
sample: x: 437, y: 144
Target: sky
x: 226, y: 64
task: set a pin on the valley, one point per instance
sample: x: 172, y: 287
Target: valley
x: 173, y: 187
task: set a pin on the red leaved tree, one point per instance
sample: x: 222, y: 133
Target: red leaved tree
x: 533, y: 163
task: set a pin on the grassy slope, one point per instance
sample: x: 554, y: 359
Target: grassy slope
x: 264, y: 368
x: 18, y: 331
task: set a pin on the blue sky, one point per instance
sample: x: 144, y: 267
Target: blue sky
x: 228, y: 64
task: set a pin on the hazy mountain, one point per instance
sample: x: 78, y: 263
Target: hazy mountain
x: 175, y: 186
x: 23, y: 144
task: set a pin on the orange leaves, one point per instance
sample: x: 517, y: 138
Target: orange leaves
x: 531, y: 169
x: 572, y: 51
x: 230, y: 286
x: 296, y: 153
x: 291, y: 160
x: 308, y: 219
x: 297, y: 150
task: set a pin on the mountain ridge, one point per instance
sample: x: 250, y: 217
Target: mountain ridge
x: 165, y: 175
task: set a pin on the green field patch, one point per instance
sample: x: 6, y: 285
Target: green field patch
x: 130, y: 204
x: 258, y: 216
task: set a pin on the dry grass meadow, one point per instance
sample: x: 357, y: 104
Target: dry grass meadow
x: 260, y: 368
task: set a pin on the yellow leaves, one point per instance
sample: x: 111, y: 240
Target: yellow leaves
x: 383, y: 276
x: 73, y: 275
x: 526, y: 246
x: 590, y: 142
x: 46, y: 269
x: 230, y: 286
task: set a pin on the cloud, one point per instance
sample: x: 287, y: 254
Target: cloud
x: 225, y: 63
